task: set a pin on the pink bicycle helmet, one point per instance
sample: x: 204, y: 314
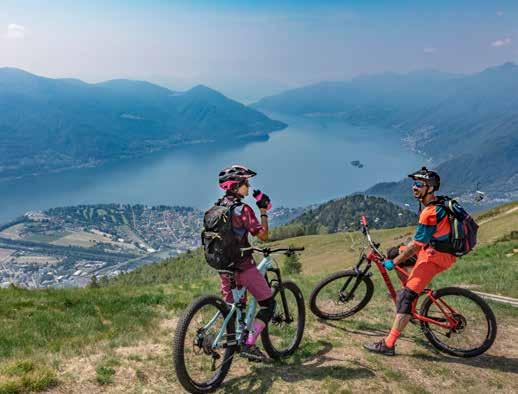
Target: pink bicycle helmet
x: 234, y: 175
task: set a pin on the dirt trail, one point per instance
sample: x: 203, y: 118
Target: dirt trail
x: 505, y: 213
x: 498, y: 298
x: 331, y: 359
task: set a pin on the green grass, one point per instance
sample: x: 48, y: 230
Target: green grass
x: 58, y: 320
x: 487, y: 269
x: 187, y: 268
x: 47, y: 238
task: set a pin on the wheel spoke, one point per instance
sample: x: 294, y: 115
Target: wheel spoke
x: 471, y: 328
x: 337, y: 300
x: 198, y: 365
x: 284, y: 332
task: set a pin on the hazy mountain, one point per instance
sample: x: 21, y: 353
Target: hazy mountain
x: 377, y: 98
x: 49, y: 124
x: 467, y: 124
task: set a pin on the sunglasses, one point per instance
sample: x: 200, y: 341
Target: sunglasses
x: 419, y: 184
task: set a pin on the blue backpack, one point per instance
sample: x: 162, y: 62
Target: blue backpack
x: 463, y: 233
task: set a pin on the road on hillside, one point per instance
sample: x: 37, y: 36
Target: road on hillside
x: 72, y: 251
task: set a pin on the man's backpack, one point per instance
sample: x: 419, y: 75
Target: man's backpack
x: 463, y: 229
x: 220, y: 245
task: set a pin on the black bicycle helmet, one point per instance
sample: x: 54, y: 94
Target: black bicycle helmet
x: 430, y: 177
x: 234, y: 175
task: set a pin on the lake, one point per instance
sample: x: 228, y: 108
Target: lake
x: 306, y: 163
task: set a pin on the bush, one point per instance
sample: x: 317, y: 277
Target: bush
x: 292, y: 264
x: 104, y: 372
x: 104, y: 375
x: 287, y: 231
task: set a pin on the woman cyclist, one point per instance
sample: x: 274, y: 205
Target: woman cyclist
x: 234, y: 181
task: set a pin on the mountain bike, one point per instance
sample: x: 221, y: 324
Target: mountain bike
x: 456, y: 321
x: 211, y: 331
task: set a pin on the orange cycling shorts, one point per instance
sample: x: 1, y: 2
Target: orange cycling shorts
x: 429, y: 263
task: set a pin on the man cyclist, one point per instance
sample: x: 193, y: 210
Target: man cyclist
x: 234, y: 180
x: 433, y: 226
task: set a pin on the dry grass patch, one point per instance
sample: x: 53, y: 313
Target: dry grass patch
x: 25, y: 376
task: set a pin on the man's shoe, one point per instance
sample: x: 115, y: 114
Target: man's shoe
x: 380, y: 347
x: 252, y: 353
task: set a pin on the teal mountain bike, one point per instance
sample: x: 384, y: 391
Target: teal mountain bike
x: 211, y: 331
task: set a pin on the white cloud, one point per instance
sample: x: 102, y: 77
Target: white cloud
x: 429, y: 50
x: 502, y: 43
x: 15, y: 31
x: 500, y: 13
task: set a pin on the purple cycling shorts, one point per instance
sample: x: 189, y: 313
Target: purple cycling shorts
x: 250, y: 278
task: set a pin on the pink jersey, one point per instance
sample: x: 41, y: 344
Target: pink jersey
x: 245, y: 222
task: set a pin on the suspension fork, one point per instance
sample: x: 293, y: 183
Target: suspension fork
x: 287, y: 314
x: 359, y: 276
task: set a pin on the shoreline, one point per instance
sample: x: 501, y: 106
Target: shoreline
x: 246, y: 138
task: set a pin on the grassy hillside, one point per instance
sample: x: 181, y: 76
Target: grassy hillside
x: 334, y: 251
x: 116, y: 338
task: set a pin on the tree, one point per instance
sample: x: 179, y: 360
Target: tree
x: 292, y: 264
x: 94, y: 284
x: 321, y: 229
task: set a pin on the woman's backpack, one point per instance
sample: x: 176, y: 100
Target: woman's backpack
x: 220, y: 244
x: 463, y: 229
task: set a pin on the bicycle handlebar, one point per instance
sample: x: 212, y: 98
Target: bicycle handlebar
x: 267, y: 251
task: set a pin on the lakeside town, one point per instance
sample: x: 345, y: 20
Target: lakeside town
x: 68, y: 246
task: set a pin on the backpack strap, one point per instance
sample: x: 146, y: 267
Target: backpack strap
x: 235, y: 203
x: 446, y: 203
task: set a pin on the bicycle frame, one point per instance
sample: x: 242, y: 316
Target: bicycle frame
x: 235, y: 309
x: 374, y: 255
x: 429, y: 293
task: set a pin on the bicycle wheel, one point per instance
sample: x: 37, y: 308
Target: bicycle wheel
x: 282, y: 335
x: 199, y: 368
x: 475, y: 331
x: 332, y: 299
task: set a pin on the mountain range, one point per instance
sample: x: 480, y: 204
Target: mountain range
x: 49, y: 124
x: 467, y: 125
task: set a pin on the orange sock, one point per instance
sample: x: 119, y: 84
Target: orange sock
x: 394, y: 334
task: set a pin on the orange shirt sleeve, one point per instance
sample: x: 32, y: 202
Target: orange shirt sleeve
x: 426, y: 227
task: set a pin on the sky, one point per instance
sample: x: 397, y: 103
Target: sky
x: 250, y: 49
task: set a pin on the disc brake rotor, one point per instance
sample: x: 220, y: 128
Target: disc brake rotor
x: 208, y: 340
x: 277, y: 319
x: 342, y: 298
x: 461, y: 323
